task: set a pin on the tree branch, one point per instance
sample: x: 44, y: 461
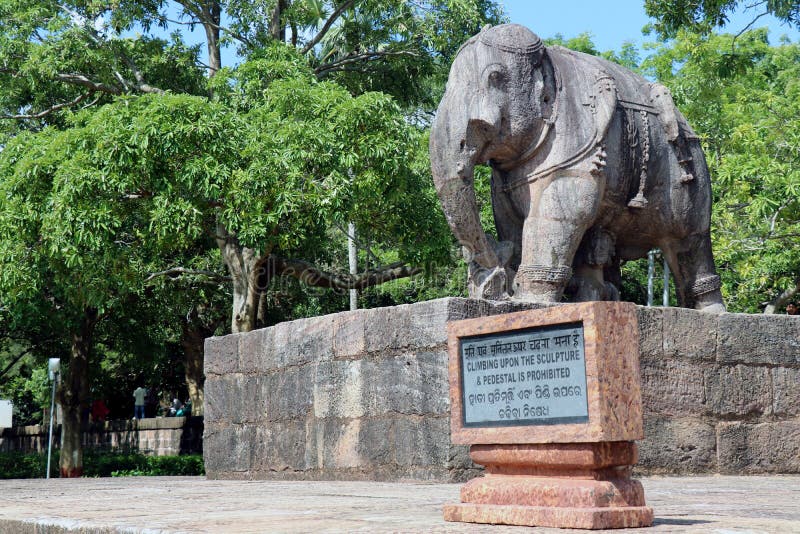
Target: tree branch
x: 51, y: 109
x: 327, y: 26
x: 19, y: 356
x: 750, y: 25
x: 316, y: 277
x: 202, y: 21
x: 80, y: 79
x: 181, y: 271
x: 355, y: 58
x: 783, y: 299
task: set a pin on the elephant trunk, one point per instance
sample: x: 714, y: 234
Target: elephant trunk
x: 455, y: 148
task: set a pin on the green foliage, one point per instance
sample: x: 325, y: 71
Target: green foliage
x: 102, y: 464
x: 29, y: 393
x: 743, y: 97
x: 627, y: 57
x: 413, y: 44
x: 19, y: 465
x: 703, y: 16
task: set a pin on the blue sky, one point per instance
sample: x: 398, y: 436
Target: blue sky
x: 611, y: 22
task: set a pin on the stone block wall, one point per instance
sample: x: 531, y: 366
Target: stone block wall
x: 721, y: 393
x: 158, y: 436
x: 354, y: 395
x: 364, y: 395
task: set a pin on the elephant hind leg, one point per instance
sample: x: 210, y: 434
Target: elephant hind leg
x: 696, y: 280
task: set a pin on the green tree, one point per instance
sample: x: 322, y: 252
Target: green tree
x: 704, y: 16
x: 743, y: 97
x: 161, y: 167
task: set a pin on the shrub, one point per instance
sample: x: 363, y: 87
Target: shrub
x: 103, y: 464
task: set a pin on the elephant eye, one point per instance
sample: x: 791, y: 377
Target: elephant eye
x: 497, y: 79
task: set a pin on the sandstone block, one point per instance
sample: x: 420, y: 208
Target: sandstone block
x: 690, y: 334
x: 255, y: 350
x: 280, y: 447
x: 771, y: 339
x: 651, y: 337
x: 677, y: 445
x: 422, y: 441
x: 388, y: 329
x: 214, y: 408
x: 738, y: 390
x: 405, y: 384
x: 348, y: 334
x: 353, y: 444
x: 673, y: 387
x: 772, y: 447
x: 338, y: 389
x: 227, y: 448
x: 410, y: 384
x: 221, y: 355
x: 289, y: 393
x: 460, y: 308
x: 785, y: 391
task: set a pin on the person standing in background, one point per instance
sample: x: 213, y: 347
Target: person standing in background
x: 139, y: 395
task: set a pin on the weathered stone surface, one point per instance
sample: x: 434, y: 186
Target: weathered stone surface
x: 673, y: 387
x: 651, y: 336
x: 422, y: 441
x: 280, y: 447
x: 255, y: 351
x: 689, y: 334
x: 738, y: 390
x: 354, y: 443
x: 772, y: 447
x: 304, y: 341
x: 348, y: 334
x: 785, y: 391
x: 288, y: 394
x: 752, y: 339
x: 550, y: 152
x: 388, y: 329
x: 677, y: 445
x: 227, y: 448
x: 405, y: 384
x: 359, y: 412
x: 460, y: 463
x: 222, y: 354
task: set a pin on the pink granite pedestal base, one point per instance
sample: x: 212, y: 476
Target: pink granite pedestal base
x: 576, y: 485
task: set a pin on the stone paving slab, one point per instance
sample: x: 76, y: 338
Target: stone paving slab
x: 155, y: 505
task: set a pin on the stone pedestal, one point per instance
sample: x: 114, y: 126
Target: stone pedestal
x: 579, y: 485
x: 551, y: 460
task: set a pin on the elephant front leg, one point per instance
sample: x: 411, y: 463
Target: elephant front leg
x: 563, y: 208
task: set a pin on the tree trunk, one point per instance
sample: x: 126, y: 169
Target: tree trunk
x: 192, y: 340
x: 73, y: 396
x: 276, y: 27
x: 249, y: 280
x: 212, y: 13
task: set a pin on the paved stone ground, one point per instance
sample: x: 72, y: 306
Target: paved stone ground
x: 150, y: 505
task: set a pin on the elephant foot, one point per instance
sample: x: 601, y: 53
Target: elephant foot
x: 488, y: 284
x: 713, y: 304
x: 540, y: 284
x: 707, y: 295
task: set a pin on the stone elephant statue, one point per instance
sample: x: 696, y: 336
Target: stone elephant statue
x: 591, y: 165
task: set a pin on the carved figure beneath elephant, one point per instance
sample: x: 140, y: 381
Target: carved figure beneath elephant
x: 591, y: 164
